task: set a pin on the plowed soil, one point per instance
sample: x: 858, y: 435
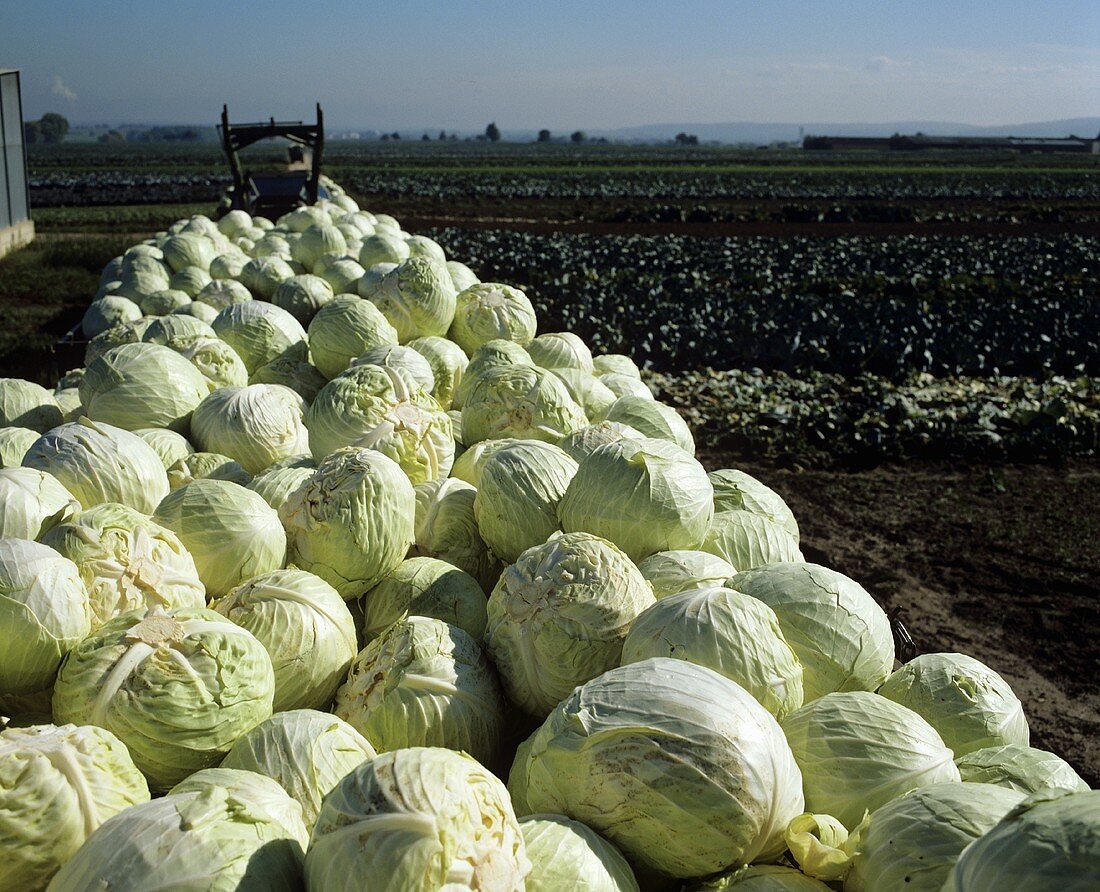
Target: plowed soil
x: 1001, y: 564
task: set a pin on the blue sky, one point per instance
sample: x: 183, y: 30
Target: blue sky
x: 557, y: 64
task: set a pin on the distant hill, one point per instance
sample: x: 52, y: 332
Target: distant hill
x: 763, y: 133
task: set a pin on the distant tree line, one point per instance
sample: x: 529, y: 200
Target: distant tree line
x: 50, y: 128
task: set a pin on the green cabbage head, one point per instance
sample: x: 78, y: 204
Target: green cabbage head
x: 306, y: 628
x: 837, y: 630
x: 26, y: 404
x: 425, y: 586
x: 57, y: 785
x: 44, y: 613
x: 857, y: 751
x: 737, y: 491
x: 487, y: 312
x: 231, y: 532
x: 519, y: 401
x: 212, y: 837
x: 423, y: 682
x: 352, y: 522
x: 913, y: 842
x: 1051, y: 840
x: 127, y: 562
x: 749, y: 540
x: 731, y: 633
x: 644, y: 495
x: 558, y: 617
x: 178, y: 688
x: 307, y: 752
x: 566, y: 854
x: 652, y: 419
x: 425, y: 819
x: 968, y: 703
x: 260, y: 332
x: 676, y: 765
x: 761, y: 878
x: 447, y: 529
x: 344, y: 328
x: 517, y: 498
x: 98, y: 463
x: 672, y: 572
x: 256, y: 425
x: 1017, y: 767
x: 142, y: 386
x: 32, y: 503
x: 418, y: 298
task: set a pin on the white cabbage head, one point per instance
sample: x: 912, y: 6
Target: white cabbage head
x: 1017, y: 767
x: 615, y: 364
x: 418, y: 298
x: 207, y: 465
x: 1051, y: 840
x: 306, y: 628
x: 57, y: 785
x: 216, y: 361
x: 277, y: 483
x: 302, y: 296
x: 461, y: 275
x: 216, y: 835
x: 446, y: 528
x: 672, y: 572
x: 169, y: 445
x: 383, y: 409
x: 397, y: 356
x: 44, y: 613
x: 425, y: 819
x: 857, y: 751
x: 581, y: 442
x: 489, y: 355
x: 840, y: 634
x: 644, y: 495
x: 26, y: 404
x: 519, y: 401
x: 748, y: 540
x: 447, y: 362
x: 560, y: 350
x: 737, y: 491
x: 231, y: 532
x: 382, y: 248
x: 178, y: 688
x: 673, y: 763
x: 559, y: 615
x: 107, y: 312
x: 261, y: 332
x: 14, y: 443
x: 652, y: 419
x: 588, y: 392
x: 968, y: 703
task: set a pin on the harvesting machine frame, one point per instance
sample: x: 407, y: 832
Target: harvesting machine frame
x: 273, y: 194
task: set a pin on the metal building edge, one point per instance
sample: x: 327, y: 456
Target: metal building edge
x: 16, y: 227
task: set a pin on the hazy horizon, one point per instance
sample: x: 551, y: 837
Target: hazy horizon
x: 562, y: 65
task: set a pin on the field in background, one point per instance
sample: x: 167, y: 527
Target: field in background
x: 893, y: 342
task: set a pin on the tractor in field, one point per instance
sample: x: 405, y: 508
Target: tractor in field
x: 273, y: 192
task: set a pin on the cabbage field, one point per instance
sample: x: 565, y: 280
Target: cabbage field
x: 350, y: 553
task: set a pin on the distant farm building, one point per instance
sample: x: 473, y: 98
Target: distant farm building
x: 16, y: 228
x: 920, y: 142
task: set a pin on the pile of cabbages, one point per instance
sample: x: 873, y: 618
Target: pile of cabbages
x: 329, y: 572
